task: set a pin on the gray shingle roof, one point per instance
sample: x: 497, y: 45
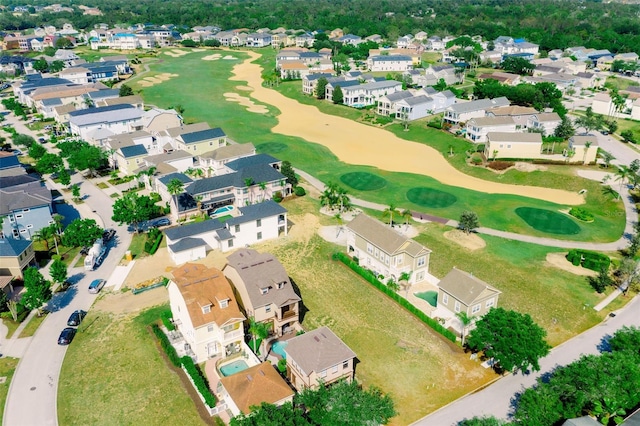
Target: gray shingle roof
x: 12, y: 248
x: 192, y: 229
x: 318, y: 350
x: 386, y: 58
x: 9, y: 162
x: 187, y: 244
x: 465, y: 287
x: 253, y: 212
x: 133, y: 151
x: 241, y: 163
x: 404, y: 94
x: 258, y: 173
x: 417, y: 100
x: 104, y: 114
x: 230, y: 151
x: 28, y: 195
x: 180, y: 176
x: 202, y: 135
x: 479, y: 105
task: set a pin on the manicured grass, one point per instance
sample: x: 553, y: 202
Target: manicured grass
x: 363, y: 181
x: 137, y: 245
x: 113, y: 373
x: 11, y: 325
x: 431, y: 57
x: 494, y: 210
x: 620, y: 83
x: 102, y: 185
x: 632, y: 125
x: 432, y: 198
x: 33, y: 325
x: 548, y: 221
x: 7, y: 368
x: 430, y: 297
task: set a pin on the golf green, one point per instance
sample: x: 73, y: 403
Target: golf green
x: 548, y: 221
x: 272, y: 147
x: 363, y: 181
x: 429, y: 197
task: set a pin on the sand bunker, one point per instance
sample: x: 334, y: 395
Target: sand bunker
x: 244, y: 88
x: 558, y: 260
x: 468, y: 241
x: 229, y: 57
x: 213, y: 57
x: 245, y: 102
x: 528, y: 167
x: 357, y: 143
x: 156, y: 79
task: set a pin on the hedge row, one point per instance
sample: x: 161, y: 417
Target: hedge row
x: 367, y: 275
x: 199, y: 381
x: 166, y: 320
x: 166, y: 345
x: 581, y: 214
x: 589, y: 259
x: 153, y: 241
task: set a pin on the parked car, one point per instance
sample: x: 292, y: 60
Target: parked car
x: 42, y: 140
x: 17, y: 152
x: 604, y: 132
x: 76, y: 318
x: 163, y: 221
x: 96, y: 286
x: 107, y: 235
x: 66, y: 336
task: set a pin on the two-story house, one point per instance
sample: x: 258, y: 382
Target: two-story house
x: 213, y: 163
x: 117, y: 118
x: 478, y: 128
x: 361, y: 95
x: 386, y: 104
x: 390, y: 63
x: 513, y: 145
x: 317, y: 358
x: 385, y: 251
x: 201, y: 141
x: 26, y: 206
x: 265, y: 290
x: 462, y: 112
x: 15, y: 257
x: 460, y: 291
x: 205, y: 311
x: 544, y: 122
x: 130, y: 158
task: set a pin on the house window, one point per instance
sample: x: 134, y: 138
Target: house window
x: 376, y: 253
x: 224, y: 303
x: 267, y: 309
x: 264, y: 290
x: 490, y: 303
x: 29, y: 226
x: 475, y: 309
x: 419, y: 277
x: 18, y: 216
x: 11, y: 219
x: 230, y: 243
x: 456, y: 307
x: 25, y: 210
x: 206, y: 309
x: 210, y: 328
x: 421, y: 261
x: 237, y: 228
x: 369, y: 248
x: 323, y: 374
x: 334, y: 369
x: 398, y: 260
x: 345, y: 365
x: 445, y: 298
x: 259, y: 223
x: 259, y: 236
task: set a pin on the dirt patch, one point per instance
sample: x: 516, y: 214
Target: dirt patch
x: 245, y: 102
x: 229, y: 57
x: 469, y: 241
x: 357, y: 143
x: 559, y: 260
x: 528, y: 167
x: 175, y: 53
x: 127, y: 302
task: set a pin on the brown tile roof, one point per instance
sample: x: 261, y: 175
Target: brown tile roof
x: 293, y: 65
x: 255, y: 385
x: 65, y: 109
x: 201, y: 286
x: 318, y: 350
x: 61, y: 92
x: 465, y: 287
x: 384, y: 237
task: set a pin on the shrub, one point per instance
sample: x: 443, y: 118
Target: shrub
x: 155, y: 197
x: 153, y: 241
x: 166, y: 317
x: 581, y: 214
x: 371, y: 278
x: 589, y: 259
x: 166, y: 345
x: 198, y: 380
x: 299, y: 191
x: 499, y: 165
x: 277, y: 197
x: 436, y: 124
x: 282, y: 366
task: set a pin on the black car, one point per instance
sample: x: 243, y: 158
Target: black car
x: 66, y: 336
x: 163, y: 221
x: 76, y: 318
x: 42, y: 140
x: 107, y: 235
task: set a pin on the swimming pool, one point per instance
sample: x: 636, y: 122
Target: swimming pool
x: 429, y: 296
x: 221, y: 210
x: 278, y: 347
x: 233, y: 367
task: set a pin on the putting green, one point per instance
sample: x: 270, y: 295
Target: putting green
x: 548, y: 221
x: 272, y: 147
x: 363, y: 181
x: 428, y: 197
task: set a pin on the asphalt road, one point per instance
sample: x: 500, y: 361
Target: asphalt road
x: 495, y: 400
x: 33, y: 391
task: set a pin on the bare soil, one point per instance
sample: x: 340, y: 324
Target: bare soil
x: 469, y: 241
x: 558, y: 260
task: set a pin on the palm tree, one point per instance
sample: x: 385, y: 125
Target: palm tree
x: 248, y: 182
x: 587, y: 145
x: 343, y: 199
x: 258, y: 330
x: 404, y: 282
x: 406, y: 215
x: 43, y: 235
x: 390, y: 211
x: 338, y: 217
x: 263, y: 188
x: 622, y: 175
x: 175, y: 187
x: 466, y: 320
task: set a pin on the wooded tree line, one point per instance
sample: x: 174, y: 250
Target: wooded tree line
x: 550, y: 23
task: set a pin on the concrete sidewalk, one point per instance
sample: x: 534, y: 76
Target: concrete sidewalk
x: 15, y: 347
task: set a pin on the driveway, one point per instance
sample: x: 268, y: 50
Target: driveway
x: 495, y: 400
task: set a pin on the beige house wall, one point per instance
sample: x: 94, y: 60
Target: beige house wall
x: 481, y: 306
x: 332, y: 374
x: 522, y: 150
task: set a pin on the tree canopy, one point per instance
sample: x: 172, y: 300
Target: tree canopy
x: 511, y: 339
x: 133, y: 208
x: 539, y: 96
x: 88, y: 157
x: 58, y: 271
x: 37, y: 289
x: 49, y: 163
x: 81, y: 232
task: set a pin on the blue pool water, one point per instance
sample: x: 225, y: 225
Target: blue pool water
x: 359, y: 105
x: 233, y: 367
x: 278, y: 347
x: 221, y: 210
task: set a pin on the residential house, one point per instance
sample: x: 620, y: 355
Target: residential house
x: 130, y: 158
x: 134, y: 100
x: 584, y: 148
x: 161, y: 183
x: 168, y: 136
x: 304, y: 40
x: 99, y: 97
x: 376, y: 38
x: 336, y: 33
x: 334, y: 82
x: 390, y: 63
x: 434, y: 73
x: 76, y: 75
x: 587, y: 80
x: 170, y: 161
x: 264, y: 289
x: 201, y: 141
x: 435, y: 43
x: 213, y: 163
x: 404, y: 41
x: 513, y: 145
x: 492, y: 56
x: 626, y: 57
x: 421, y: 36
x: 441, y: 100
x: 258, y: 40
x: 253, y: 386
x: 386, y: 104
x: 502, y: 77
x: 293, y: 70
x: 205, y: 311
x: 10, y: 165
x: 117, y: 118
x: 478, y: 128
x: 520, y: 115
x: 155, y: 120
x: 414, y: 108
x: 15, y: 257
x: 317, y: 358
x: 368, y: 94
x: 250, y: 225
x: 464, y: 111
x: 350, y: 39
x: 26, y: 206
x: 385, y: 251
x: 310, y: 82
x: 460, y: 291
x: 544, y: 122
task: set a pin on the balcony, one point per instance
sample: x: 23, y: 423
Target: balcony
x: 287, y: 315
x: 233, y: 335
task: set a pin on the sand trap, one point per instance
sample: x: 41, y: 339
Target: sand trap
x: 245, y: 102
x: 357, y: 143
x: 558, y: 260
x: 469, y: 241
x: 229, y: 57
x: 180, y: 52
x: 198, y: 50
x: 244, y: 88
x: 213, y: 57
x: 157, y: 79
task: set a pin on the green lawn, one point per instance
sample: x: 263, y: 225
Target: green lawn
x: 7, y: 368
x: 205, y: 102
x: 137, y: 245
x: 430, y: 198
x: 113, y: 373
x: 632, y: 125
x: 33, y: 325
x: 431, y: 57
